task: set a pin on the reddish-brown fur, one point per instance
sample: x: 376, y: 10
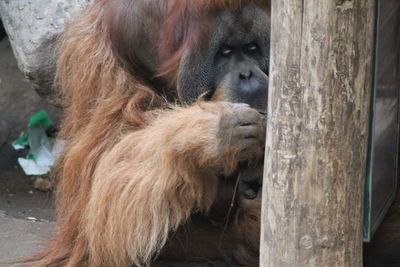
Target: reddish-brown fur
x: 118, y: 193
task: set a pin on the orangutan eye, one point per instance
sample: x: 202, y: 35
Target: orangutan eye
x: 226, y: 51
x: 252, y: 47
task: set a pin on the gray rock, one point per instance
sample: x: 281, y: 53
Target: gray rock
x: 33, y: 27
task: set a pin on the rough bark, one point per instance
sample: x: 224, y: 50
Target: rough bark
x: 316, y: 146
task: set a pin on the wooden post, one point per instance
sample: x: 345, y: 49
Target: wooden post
x: 317, y: 131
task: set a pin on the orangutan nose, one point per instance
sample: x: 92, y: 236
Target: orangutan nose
x: 251, y: 87
x: 245, y: 75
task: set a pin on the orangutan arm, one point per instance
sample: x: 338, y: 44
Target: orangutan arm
x: 155, y: 178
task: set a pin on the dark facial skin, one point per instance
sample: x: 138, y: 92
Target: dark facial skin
x: 237, y: 71
x: 234, y: 65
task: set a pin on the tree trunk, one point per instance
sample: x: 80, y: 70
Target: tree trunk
x: 317, y: 132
